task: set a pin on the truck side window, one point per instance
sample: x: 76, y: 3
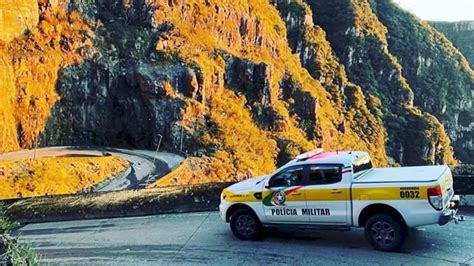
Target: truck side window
x: 288, y: 178
x: 324, y: 175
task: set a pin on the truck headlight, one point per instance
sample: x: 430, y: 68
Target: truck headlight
x: 223, y: 196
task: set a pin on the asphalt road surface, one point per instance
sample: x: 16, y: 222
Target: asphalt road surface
x: 141, y: 172
x: 202, y: 238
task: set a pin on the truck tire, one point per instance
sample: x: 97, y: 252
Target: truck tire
x: 245, y: 225
x: 385, y: 233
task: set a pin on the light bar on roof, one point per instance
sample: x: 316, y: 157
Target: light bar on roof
x: 309, y: 154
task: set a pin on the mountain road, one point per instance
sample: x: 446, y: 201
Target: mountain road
x: 203, y: 238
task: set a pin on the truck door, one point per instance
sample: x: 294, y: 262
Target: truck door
x: 327, y: 195
x: 284, y: 197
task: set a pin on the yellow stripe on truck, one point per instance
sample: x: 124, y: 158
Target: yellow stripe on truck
x: 327, y: 194
x: 380, y: 193
x: 239, y: 197
x: 373, y: 193
x: 390, y: 193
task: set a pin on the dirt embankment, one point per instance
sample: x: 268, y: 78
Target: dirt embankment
x: 118, y: 204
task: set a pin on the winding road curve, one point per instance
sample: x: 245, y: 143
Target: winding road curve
x: 202, y: 238
x: 142, y: 171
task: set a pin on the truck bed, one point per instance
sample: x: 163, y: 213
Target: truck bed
x: 402, y: 174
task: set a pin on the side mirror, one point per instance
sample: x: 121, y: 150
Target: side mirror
x: 267, y: 184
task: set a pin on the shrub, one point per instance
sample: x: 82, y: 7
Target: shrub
x: 12, y: 252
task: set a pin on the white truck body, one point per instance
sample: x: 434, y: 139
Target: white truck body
x: 341, y: 190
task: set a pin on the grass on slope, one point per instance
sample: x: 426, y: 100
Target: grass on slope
x: 203, y: 197
x: 52, y: 176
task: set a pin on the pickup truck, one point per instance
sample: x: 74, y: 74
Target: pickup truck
x: 338, y: 191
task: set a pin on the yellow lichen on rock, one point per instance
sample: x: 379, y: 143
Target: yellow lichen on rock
x: 16, y: 17
x: 30, y: 66
x: 8, y: 133
x: 229, y: 40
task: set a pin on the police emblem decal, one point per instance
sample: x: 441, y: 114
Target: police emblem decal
x: 279, y: 197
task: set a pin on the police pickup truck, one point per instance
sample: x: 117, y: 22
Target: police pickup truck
x: 340, y: 190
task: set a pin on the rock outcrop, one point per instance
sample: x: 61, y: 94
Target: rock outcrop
x: 30, y: 66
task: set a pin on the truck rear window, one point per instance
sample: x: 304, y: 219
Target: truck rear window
x: 361, y: 164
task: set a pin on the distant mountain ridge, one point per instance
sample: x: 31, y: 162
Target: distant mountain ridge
x: 461, y: 34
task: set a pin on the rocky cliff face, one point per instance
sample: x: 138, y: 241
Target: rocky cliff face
x: 222, y: 87
x: 241, y: 85
x: 29, y: 72
x: 461, y: 34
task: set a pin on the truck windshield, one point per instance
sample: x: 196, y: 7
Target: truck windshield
x: 361, y: 164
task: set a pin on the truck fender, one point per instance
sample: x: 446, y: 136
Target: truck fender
x: 239, y: 206
x: 379, y: 208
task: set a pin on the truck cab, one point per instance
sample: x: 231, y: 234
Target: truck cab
x: 340, y: 190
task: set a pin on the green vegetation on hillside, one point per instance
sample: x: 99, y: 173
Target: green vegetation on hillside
x: 437, y: 72
x: 359, y: 39
x: 461, y: 34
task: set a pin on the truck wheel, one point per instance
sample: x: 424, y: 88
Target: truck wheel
x: 384, y: 233
x: 245, y: 225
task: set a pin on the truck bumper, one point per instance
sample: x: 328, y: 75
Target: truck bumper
x: 450, y: 213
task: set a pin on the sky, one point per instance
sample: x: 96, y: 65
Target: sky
x: 440, y: 10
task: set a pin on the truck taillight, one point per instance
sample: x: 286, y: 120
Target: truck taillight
x: 435, y: 197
